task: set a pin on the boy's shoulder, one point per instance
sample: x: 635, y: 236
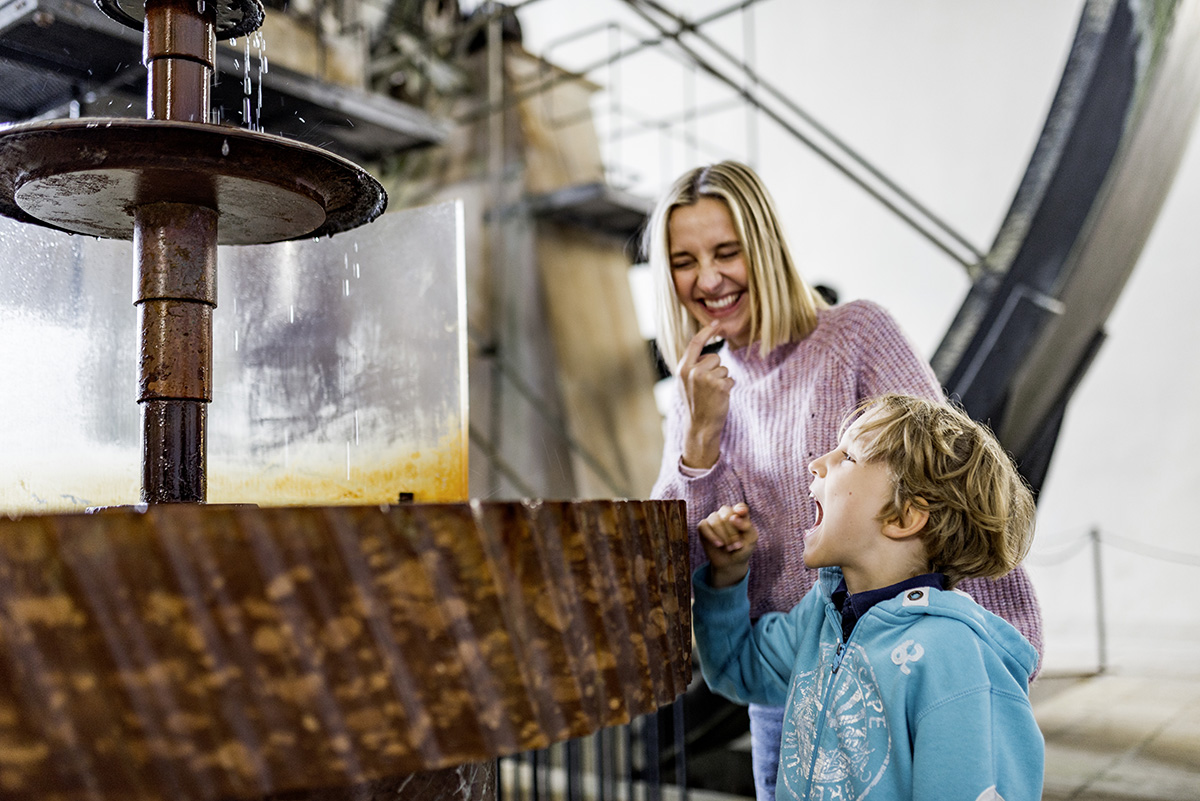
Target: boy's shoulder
x: 953, y: 619
x: 940, y: 604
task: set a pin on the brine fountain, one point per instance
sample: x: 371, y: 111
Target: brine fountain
x: 176, y: 649
x: 179, y: 186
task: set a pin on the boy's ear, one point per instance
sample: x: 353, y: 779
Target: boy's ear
x: 909, y: 522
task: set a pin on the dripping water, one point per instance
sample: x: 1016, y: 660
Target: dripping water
x: 251, y: 61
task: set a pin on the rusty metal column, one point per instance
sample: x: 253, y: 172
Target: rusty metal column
x: 179, y: 48
x: 175, y: 263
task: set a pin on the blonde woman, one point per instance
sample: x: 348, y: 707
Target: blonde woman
x: 751, y: 415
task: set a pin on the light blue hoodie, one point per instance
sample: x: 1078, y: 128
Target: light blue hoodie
x: 928, y: 699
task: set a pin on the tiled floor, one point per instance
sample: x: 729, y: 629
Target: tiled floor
x: 1114, y: 737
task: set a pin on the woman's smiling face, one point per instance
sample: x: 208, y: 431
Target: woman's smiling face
x: 709, y: 269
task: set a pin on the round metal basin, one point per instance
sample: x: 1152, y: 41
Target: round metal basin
x: 87, y: 175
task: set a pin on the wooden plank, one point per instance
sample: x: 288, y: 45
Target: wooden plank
x: 604, y: 371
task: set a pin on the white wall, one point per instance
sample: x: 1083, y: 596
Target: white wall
x: 947, y: 97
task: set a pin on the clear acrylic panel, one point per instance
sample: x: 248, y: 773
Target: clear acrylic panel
x: 339, y: 368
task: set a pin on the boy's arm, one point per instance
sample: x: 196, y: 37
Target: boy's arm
x: 983, y: 741
x: 744, y: 663
x: 747, y: 664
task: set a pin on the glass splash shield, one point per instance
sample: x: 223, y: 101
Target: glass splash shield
x: 339, y: 369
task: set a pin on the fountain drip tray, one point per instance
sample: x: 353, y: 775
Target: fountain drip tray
x: 87, y: 176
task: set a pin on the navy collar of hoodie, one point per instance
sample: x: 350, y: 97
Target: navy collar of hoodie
x: 854, y: 606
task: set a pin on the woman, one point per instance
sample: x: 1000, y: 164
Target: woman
x: 751, y: 415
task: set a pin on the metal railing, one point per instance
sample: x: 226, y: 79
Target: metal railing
x: 644, y: 760
x: 1094, y: 541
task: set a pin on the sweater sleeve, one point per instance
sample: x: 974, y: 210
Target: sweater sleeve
x: 743, y: 662
x: 704, y: 493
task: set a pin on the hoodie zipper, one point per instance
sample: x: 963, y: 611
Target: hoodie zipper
x: 838, y: 656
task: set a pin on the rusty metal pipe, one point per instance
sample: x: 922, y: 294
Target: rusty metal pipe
x: 179, y: 51
x: 175, y: 258
x: 175, y: 263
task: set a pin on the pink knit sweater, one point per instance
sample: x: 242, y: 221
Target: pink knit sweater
x: 784, y: 411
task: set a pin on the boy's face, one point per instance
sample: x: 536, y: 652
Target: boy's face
x: 850, y: 493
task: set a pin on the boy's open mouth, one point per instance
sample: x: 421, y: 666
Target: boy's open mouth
x: 820, y: 513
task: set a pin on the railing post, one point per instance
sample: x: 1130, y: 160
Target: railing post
x: 573, y: 762
x: 680, y: 749
x: 651, y: 777
x: 1101, y: 628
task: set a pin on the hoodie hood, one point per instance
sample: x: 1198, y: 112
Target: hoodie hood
x: 1012, y: 650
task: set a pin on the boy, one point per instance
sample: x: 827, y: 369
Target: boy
x: 895, y: 686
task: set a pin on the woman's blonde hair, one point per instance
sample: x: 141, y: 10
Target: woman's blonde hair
x: 783, y: 307
x: 981, y: 512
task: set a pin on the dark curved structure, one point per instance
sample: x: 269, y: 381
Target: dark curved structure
x: 1116, y: 131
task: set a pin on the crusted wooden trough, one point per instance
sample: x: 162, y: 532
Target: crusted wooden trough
x: 207, y: 652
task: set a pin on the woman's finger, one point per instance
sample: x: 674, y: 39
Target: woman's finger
x: 694, y: 349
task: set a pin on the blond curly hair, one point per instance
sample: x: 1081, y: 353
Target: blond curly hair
x: 981, y: 511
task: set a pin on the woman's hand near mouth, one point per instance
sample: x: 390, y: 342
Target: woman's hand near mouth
x: 706, y: 385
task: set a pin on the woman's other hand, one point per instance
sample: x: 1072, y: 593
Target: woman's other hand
x: 705, y: 384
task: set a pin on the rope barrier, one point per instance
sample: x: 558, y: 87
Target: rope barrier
x: 1152, y: 551
x: 1061, y: 554
x: 1070, y: 548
